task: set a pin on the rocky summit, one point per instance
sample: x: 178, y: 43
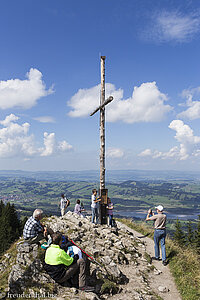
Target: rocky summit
x: 120, y: 268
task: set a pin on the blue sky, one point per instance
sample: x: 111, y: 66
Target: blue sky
x: 50, y: 75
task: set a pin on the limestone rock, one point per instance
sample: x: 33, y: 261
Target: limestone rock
x: 163, y: 289
x: 114, y: 248
x: 157, y: 272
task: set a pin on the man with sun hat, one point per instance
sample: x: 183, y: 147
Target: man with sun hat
x: 159, y: 233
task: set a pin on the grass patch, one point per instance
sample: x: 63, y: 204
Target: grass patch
x: 184, y: 263
x: 140, y: 227
x: 185, y: 267
x: 151, y: 268
x: 109, y: 287
x: 158, y: 297
x: 147, y: 257
x: 10, y: 262
x: 41, y: 254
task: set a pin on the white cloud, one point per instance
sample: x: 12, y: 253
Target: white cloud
x: 185, y: 136
x: 86, y: 100
x: 188, y: 144
x: 146, y: 152
x: 64, y: 146
x: 174, y: 152
x: 193, y: 111
x: 174, y: 26
x: 9, y: 119
x: 49, y: 143
x: 115, y: 153
x: 15, y: 140
x: 51, y: 147
x: 150, y: 153
x: 145, y: 105
x: 45, y: 119
x: 23, y: 93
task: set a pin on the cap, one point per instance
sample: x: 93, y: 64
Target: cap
x: 159, y: 207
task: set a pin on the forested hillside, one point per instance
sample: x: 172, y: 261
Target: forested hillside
x: 10, y: 226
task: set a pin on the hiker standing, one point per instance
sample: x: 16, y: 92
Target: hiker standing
x: 94, y: 206
x: 159, y: 233
x: 64, y: 203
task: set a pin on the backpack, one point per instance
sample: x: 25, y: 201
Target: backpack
x: 65, y: 243
x: 67, y: 203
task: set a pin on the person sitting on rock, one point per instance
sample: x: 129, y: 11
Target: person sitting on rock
x: 61, y: 267
x: 78, y: 209
x: 34, y: 231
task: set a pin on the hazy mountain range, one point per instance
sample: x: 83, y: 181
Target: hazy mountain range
x: 93, y: 175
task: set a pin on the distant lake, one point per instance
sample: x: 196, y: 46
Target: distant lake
x: 142, y: 215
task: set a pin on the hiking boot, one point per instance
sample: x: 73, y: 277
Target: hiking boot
x: 87, y: 288
x: 164, y: 262
x: 155, y: 258
x: 66, y: 284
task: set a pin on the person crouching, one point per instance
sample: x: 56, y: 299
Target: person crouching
x: 61, y: 267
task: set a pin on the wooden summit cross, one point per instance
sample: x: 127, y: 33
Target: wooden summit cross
x: 103, y: 191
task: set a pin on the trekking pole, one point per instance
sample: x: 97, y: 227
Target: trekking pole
x: 94, y: 260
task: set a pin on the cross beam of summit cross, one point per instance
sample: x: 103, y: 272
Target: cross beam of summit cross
x: 103, y: 103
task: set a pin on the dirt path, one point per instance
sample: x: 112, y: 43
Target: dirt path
x: 164, y: 279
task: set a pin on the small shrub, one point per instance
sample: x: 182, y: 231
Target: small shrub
x: 147, y: 257
x: 109, y: 287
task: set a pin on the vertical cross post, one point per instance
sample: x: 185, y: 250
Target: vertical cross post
x: 103, y: 103
x: 102, y: 206
x: 102, y: 126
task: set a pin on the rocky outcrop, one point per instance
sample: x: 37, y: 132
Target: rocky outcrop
x: 120, y: 268
x: 28, y: 270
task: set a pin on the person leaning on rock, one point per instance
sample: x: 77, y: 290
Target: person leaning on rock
x: 34, y: 231
x: 159, y: 233
x: 61, y: 267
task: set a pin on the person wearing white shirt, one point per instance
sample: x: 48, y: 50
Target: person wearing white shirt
x: 64, y: 203
x: 94, y: 206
